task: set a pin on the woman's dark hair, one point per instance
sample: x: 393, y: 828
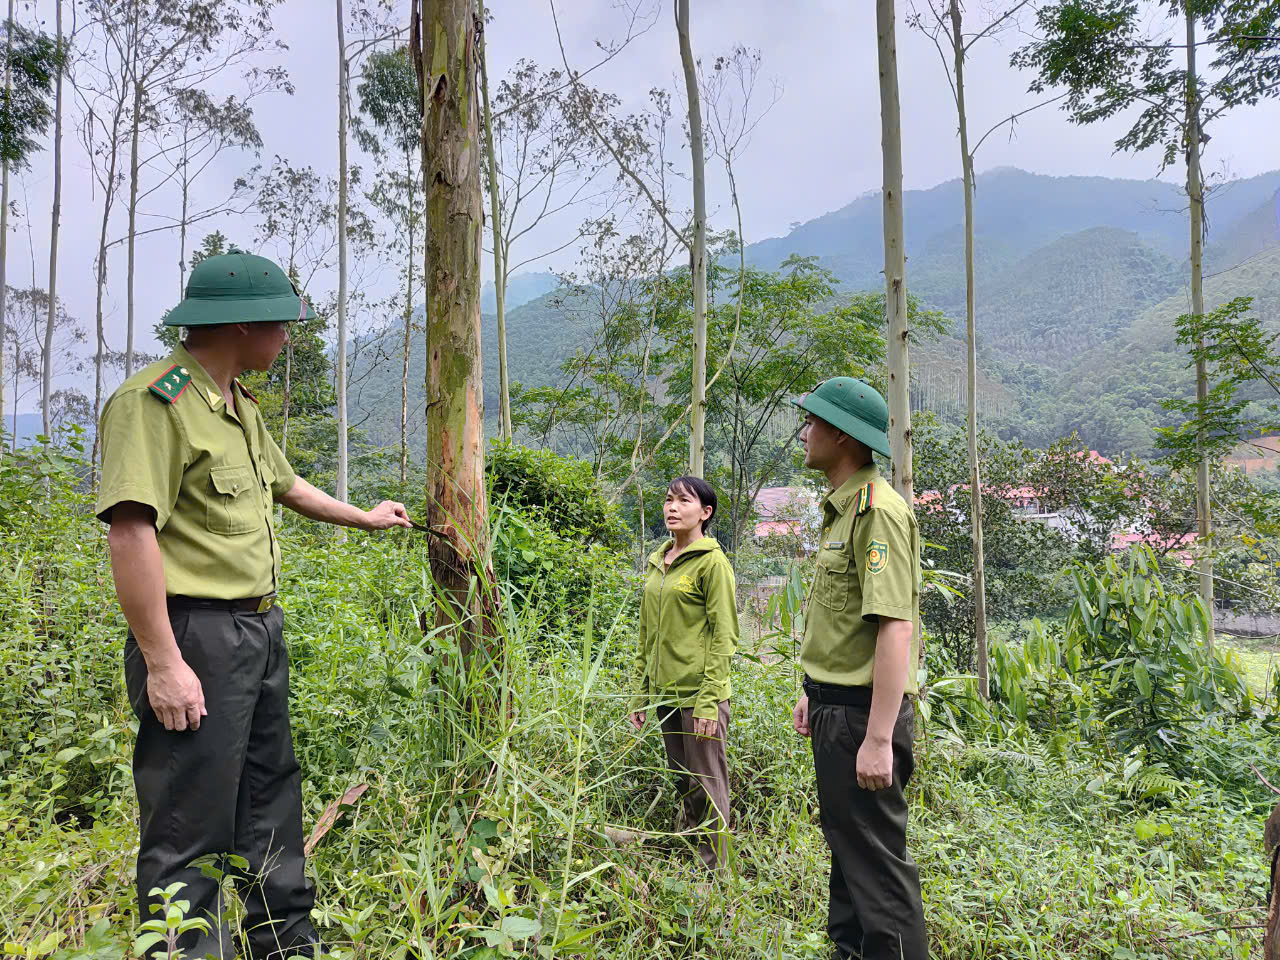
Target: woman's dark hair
x: 697, y: 487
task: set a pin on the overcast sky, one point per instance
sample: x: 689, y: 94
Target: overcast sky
x: 816, y: 150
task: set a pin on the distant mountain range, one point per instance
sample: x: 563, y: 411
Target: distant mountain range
x: 1078, y: 282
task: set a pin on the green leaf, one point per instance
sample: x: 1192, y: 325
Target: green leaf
x: 145, y: 942
x: 1142, y: 677
x: 520, y: 928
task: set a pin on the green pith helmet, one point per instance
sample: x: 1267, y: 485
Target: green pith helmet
x: 238, y: 287
x: 852, y: 406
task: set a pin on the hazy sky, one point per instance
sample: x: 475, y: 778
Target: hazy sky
x: 816, y: 150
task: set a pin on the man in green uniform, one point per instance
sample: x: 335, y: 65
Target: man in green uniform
x: 859, y: 654
x: 189, y: 477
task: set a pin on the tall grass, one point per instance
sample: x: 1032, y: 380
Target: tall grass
x: 487, y: 833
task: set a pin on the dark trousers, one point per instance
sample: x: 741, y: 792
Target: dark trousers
x: 702, y: 776
x: 231, y: 788
x: 875, y: 910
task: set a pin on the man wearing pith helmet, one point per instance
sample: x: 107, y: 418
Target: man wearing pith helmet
x: 859, y: 655
x: 189, y: 477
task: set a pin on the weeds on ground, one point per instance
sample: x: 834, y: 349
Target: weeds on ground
x: 486, y: 836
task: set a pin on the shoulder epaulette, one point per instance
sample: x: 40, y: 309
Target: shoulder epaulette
x: 170, y: 385
x: 245, y: 391
x: 862, y: 500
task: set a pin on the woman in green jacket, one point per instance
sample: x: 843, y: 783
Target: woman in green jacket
x: 688, y: 634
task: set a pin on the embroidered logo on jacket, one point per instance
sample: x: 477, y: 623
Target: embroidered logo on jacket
x: 877, y: 556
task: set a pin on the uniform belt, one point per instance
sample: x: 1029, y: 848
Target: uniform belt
x: 247, y: 605
x: 837, y: 695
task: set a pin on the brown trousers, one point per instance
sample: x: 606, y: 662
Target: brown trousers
x: 702, y: 776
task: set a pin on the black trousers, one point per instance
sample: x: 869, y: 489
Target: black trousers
x: 233, y: 787
x: 875, y: 910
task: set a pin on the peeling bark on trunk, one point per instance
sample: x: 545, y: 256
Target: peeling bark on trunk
x: 1195, y: 196
x: 46, y: 373
x: 456, y: 507
x: 698, y: 253
x: 975, y: 472
x: 895, y: 267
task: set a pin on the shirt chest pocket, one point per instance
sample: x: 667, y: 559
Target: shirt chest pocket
x: 833, y: 581
x: 234, y: 504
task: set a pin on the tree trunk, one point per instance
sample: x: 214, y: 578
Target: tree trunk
x: 46, y: 373
x: 895, y: 266
x: 133, y: 202
x: 698, y: 253
x: 975, y: 472
x: 182, y: 225
x: 288, y: 392
x: 1195, y: 196
x: 4, y: 235
x: 499, y: 270
x: 408, y: 330
x: 340, y: 483
x: 456, y: 507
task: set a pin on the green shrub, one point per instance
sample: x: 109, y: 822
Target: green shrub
x: 562, y: 491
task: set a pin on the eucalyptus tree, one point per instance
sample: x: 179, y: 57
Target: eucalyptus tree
x: 164, y: 49
x: 31, y: 350
x: 897, y: 356
x: 389, y: 126
x: 630, y: 141
x: 203, y: 128
x: 542, y: 163
x: 442, y: 41
x: 1112, y: 59
x: 698, y: 247
x: 55, y: 223
x: 945, y: 21
x: 372, y: 27
x: 298, y: 223
x: 31, y: 60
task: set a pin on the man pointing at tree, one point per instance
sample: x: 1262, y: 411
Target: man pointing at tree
x: 859, y: 654
x: 189, y: 478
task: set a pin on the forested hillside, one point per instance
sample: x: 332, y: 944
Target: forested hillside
x: 1079, y: 282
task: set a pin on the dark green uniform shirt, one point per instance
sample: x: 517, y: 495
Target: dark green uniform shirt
x: 868, y: 568
x: 210, y: 473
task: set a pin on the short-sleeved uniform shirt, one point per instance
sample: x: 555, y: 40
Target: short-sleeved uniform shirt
x: 868, y: 568
x: 211, y: 474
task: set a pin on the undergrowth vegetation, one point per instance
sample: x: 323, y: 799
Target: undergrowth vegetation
x: 1096, y: 809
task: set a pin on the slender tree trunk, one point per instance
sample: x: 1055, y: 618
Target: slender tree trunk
x: 1195, y: 196
x: 4, y: 235
x: 895, y: 265
x: 288, y: 392
x: 182, y: 224
x: 341, y: 481
x: 499, y: 270
x: 133, y: 203
x: 975, y: 472
x: 46, y: 374
x: 698, y: 262
x: 456, y: 507
x: 408, y: 330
